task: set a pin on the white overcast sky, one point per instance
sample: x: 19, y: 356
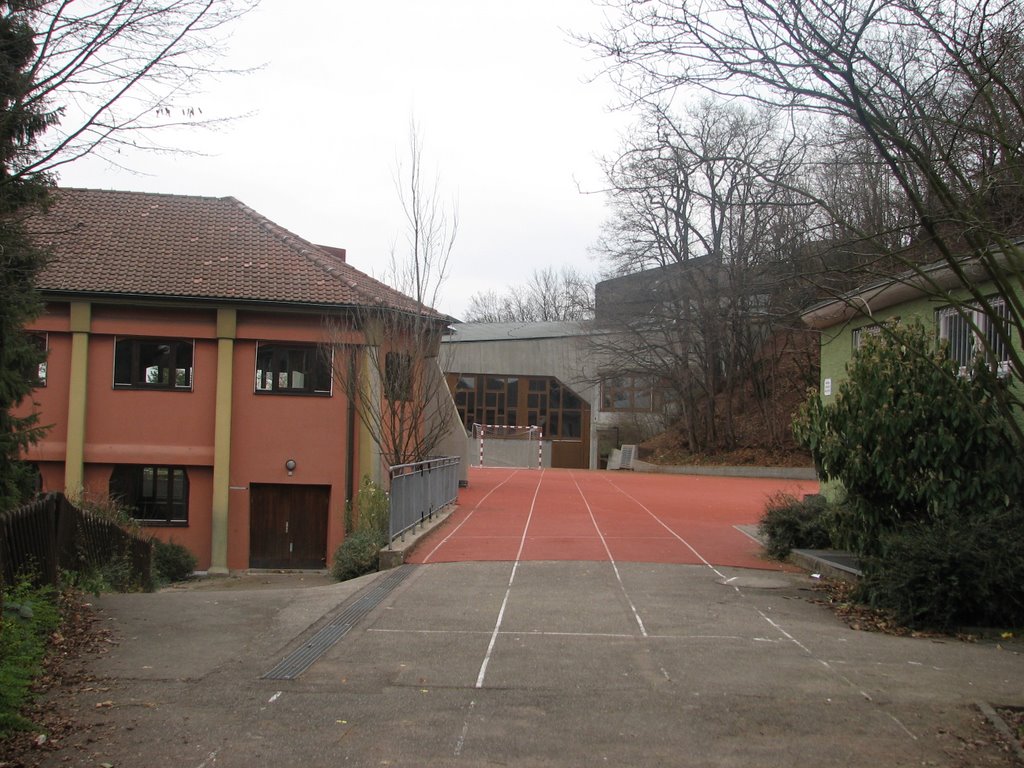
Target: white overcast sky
x: 509, y: 116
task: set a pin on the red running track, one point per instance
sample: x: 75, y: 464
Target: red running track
x: 558, y: 514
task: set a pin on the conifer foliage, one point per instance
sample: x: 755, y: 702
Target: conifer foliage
x: 22, y: 120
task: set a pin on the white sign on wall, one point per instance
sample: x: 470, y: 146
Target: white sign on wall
x: 826, y: 387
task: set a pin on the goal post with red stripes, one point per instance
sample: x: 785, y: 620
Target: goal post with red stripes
x: 501, y: 445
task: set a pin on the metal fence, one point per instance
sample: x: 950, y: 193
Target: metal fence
x: 419, y: 490
x: 50, y: 535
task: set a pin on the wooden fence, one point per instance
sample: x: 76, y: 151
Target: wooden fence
x: 49, y: 536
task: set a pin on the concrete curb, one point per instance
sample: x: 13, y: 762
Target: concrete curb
x: 1004, y: 730
x: 833, y: 563
x: 782, y: 473
x: 394, y: 554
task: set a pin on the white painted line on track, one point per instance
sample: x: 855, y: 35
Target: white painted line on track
x: 662, y: 523
x: 618, y: 576
x: 508, y: 590
x: 474, y: 509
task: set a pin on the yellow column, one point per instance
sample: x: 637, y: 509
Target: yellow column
x: 74, y: 456
x: 371, y: 460
x: 226, y: 331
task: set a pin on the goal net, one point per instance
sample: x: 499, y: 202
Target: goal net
x: 504, y: 446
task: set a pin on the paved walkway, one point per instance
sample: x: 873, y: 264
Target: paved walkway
x: 533, y: 664
x: 538, y: 662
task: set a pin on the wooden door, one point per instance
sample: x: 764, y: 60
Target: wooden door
x: 288, y: 526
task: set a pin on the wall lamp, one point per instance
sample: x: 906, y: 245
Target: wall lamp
x: 290, y: 466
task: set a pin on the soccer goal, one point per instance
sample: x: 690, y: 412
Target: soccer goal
x: 504, y: 446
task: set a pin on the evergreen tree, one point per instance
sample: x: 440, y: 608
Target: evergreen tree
x: 21, y: 121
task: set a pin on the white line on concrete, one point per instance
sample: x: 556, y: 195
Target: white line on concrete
x: 508, y: 590
x: 618, y: 576
x: 901, y: 725
x: 474, y: 509
x: 548, y: 633
x: 465, y: 729
x: 739, y: 591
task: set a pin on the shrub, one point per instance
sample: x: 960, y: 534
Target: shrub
x: 964, y: 571
x: 372, y: 508
x: 910, y: 439
x: 357, y: 555
x: 107, y: 507
x: 366, y: 532
x: 172, y: 562
x: 789, y: 523
x: 932, y: 466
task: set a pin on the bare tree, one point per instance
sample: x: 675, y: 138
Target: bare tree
x: 112, y: 75
x: 78, y: 78
x: 702, y: 221
x: 385, y: 353
x: 930, y: 90
x: 549, y: 295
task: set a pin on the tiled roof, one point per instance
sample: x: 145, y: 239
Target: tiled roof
x: 177, y: 246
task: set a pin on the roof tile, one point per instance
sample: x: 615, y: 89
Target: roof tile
x: 157, y: 245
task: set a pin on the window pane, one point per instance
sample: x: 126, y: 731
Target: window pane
x: 398, y: 376
x: 159, y: 363
x: 123, y: 362
x: 292, y: 368
x: 642, y: 399
x: 156, y: 495
x: 36, y: 373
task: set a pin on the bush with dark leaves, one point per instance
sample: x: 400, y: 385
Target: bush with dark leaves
x: 789, y: 523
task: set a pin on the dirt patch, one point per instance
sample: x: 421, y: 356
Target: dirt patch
x: 244, y: 580
x: 80, y: 637
x: 661, y: 451
x: 1014, y: 718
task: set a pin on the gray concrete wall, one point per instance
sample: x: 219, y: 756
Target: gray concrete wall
x: 571, y: 359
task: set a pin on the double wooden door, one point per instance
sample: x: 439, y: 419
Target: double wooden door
x: 288, y: 525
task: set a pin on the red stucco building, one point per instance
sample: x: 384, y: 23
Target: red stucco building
x: 186, y: 373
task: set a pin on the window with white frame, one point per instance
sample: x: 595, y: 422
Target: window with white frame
x: 971, y: 333
x: 859, y: 334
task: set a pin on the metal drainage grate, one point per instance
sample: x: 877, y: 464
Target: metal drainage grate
x: 303, y: 658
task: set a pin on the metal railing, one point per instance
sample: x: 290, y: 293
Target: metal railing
x: 419, y: 490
